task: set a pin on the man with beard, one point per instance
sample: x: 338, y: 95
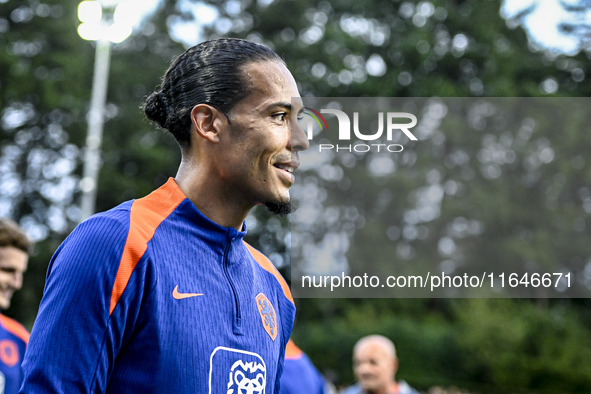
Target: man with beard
x: 161, y: 294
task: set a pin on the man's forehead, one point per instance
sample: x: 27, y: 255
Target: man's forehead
x: 370, y: 350
x: 270, y: 71
x: 13, y: 257
x: 270, y: 80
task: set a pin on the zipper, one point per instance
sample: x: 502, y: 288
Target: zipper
x: 237, y: 326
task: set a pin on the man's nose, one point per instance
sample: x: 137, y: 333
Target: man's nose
x: 299, y: 139
x: 17, y: 280
x: 361, y: 369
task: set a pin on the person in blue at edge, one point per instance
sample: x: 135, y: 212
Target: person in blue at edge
x: 14, y: 257
x: 300, y: 375
x: 375, y: 365
x: 161, y: 294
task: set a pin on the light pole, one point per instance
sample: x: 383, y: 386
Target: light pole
x: 94, y: 28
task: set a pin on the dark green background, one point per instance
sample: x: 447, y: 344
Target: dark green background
x: 483, y: 345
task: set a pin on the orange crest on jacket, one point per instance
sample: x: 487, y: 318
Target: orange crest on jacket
x: 268, y: 316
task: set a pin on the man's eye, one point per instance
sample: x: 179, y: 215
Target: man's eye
x: 280, y: 116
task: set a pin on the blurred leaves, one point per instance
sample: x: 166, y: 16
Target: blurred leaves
x: 339, y: 48
x: 45, y: 83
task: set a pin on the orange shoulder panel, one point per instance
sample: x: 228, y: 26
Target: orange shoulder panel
x: 146, y: 215
x: 15, y: 328
x: 292, y: 351
x: 266, y: 264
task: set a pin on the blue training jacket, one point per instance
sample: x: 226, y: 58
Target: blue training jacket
x: 153, y: 297
x: 300, y: 376
x: 13, y: 342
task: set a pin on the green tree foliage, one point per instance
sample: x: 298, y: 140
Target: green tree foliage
x: 45, y: 89
x: 338, y: 48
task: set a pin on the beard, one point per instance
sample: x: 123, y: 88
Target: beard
x: 281, y: 208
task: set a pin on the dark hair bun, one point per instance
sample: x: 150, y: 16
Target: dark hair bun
x: 156, y: 110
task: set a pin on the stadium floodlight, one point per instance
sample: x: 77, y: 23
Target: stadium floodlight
x: 118, y: 32
x: 109, y: 3
x: 126, y: 12
x: 124, y: 18
x: 90, y: 31
x: 90, y: 12
x: 95, y: 28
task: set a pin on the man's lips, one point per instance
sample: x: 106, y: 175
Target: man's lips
x: 289, y: 166
x: 286, y: 170
x: 284, y: 167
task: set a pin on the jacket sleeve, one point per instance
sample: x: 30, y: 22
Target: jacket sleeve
x: 75, y: 338
x: 287, y: 310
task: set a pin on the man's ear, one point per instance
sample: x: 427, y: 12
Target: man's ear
x: 207, y: 122
x: 395, y: 365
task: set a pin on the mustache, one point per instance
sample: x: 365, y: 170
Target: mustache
x: 284, y: 157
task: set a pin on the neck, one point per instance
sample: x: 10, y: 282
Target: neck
x: 213, y: 200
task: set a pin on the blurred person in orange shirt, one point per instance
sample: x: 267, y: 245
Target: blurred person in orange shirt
x: 300, y: 375
x: 14, y: 257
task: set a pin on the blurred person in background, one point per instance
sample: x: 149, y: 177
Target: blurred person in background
x: 300, y: 375
x: 375, y: 365
x: 14, y: 256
